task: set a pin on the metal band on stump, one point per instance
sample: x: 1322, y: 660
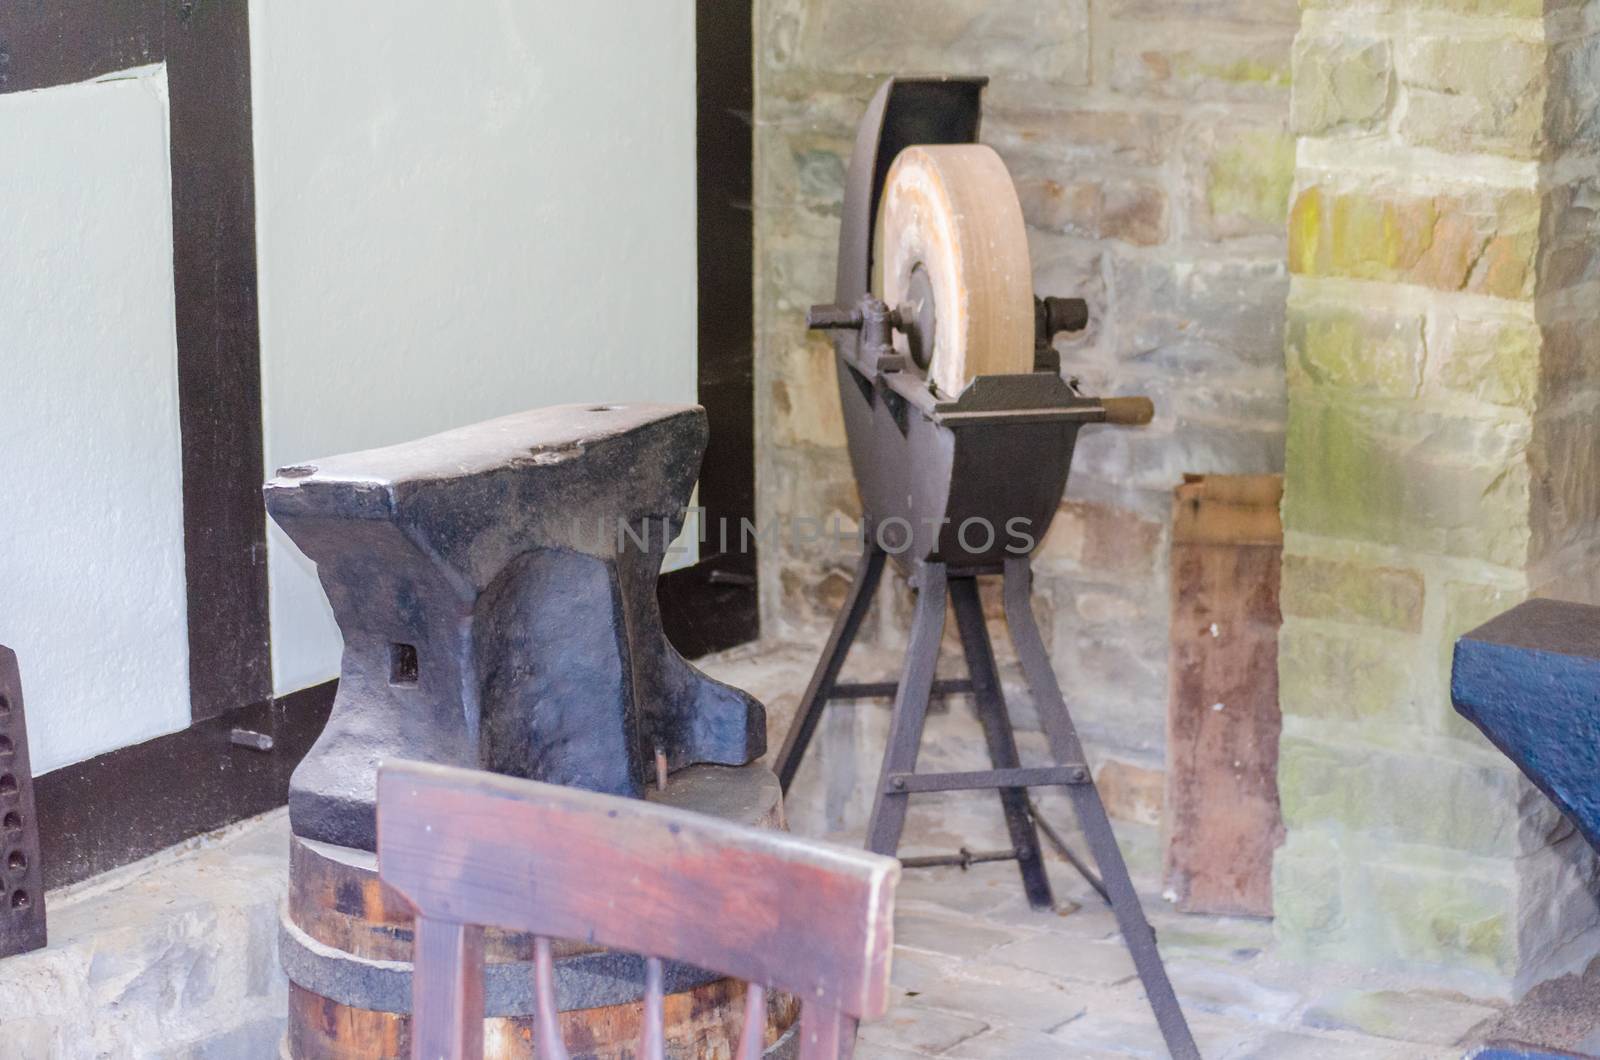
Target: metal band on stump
x: 950, y: 213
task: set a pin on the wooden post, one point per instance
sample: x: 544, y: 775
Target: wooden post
x: 1222, y: 817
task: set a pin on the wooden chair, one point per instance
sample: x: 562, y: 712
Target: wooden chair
x: 470, y: 849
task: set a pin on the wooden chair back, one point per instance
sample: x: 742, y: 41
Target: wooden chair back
x: 470, y: 849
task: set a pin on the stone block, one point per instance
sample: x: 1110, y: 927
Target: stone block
x: 1473, y: 94
x: 1467, y: 605
x: 1569, y: 243
x: 916, y: 1030
x: 1505, y: 8
x: 1484, y: 243
x: 999, y: 994
x: 1565, y: 464
x: 1250, y: 12
x: 1572, y: 101
x: 1395, y: 797
x: 1240, y: 176
x: 1100, y: 542
x: 1352, y: 591
x: 1131, y: 792
x: 1131, y: 210
x: 1071, y: 135
x: 1495, y: 359
x: 1341, y: 84
x: 1307, y: 900
x: 1408, y: 1017
x: 802, y: 164
x: 1014, y: 38
x: 1354, y: 676
x: 1205, y: 66
x: 1406, y: 476
x: 805, y: 395
x: 1188, y: 318
x: 1362, y: 348
x: 1570, y: 354
x: 1444, y: 918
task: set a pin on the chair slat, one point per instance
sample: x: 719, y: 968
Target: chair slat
x: 753, y: 1036
x: 549, y: 1045
x: 472, y: 848
x: 576, y: 864
x: 653, y: 1034
x: 447, y: 991
x: 822, y: 1029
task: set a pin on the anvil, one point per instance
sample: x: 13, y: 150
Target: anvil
x: 496, y: 589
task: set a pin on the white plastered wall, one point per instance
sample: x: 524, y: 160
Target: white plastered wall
x: 462, y: 212
x: 92, y: 591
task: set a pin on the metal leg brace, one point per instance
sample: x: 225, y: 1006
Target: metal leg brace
x: 899, y: 779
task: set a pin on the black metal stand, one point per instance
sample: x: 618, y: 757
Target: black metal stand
x: 898, y: 780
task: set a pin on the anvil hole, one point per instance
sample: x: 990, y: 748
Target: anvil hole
x: 19, y: 900
x: 17, y: 862
x: 402, y: 664
x: 13, y: 823
x: 6, y: 748
x: 605, y: 408
x: 8, y: 785
x: 5, y: 707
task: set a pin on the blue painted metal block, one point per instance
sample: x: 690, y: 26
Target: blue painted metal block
x: 1530, y: 679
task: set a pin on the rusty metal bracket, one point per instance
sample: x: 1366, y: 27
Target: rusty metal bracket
x: 22, y: 921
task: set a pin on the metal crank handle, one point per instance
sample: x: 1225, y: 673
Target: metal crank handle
x: 1128, y: 411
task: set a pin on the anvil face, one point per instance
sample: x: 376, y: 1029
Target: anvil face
x: 496, y: 589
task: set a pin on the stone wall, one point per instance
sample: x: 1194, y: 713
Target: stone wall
x: 1149, y: 140
x: 1442, y: 463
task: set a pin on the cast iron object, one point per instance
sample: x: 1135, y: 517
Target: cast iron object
x: 22, y: 925
x: 1530, y: 679
x: 926, y: 467
x: 496, y: 588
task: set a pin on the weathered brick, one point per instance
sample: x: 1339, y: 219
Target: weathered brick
x: 1019, y: 38
x: 1362, y: 348
x: 1397, y: 475
x: 1130, y: 210
x: 1354, y: 676
x: 1351, y: 591
x: 1474, y: 93
x: 1210, y: 66
x: 1240, y: 179
x: 1341, y: 83
x: 1484, y: 244
x: 1404, y: 798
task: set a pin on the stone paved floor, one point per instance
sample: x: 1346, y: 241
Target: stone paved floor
x: 980, y: 975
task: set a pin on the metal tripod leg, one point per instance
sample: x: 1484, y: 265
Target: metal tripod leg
x: 868, y: 572
x: 997, y: 733
x: 910, y: 710
x: 1064, y: 745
